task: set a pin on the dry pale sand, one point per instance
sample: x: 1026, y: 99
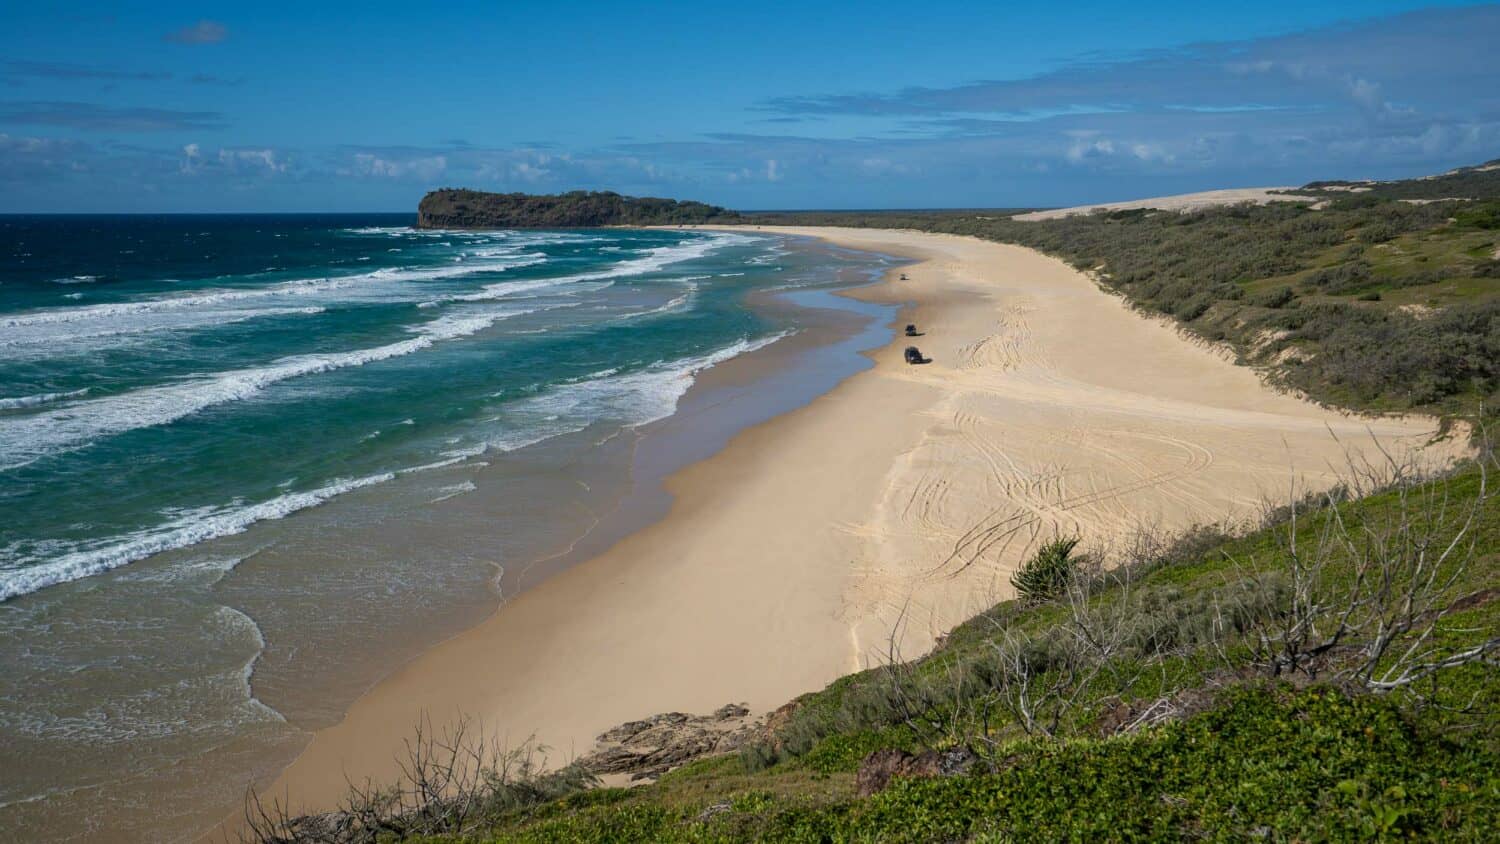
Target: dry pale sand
x: 1179, y: 202
x: 1049, y: 407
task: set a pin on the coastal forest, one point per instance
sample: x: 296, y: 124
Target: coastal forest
x: 1327, y: 672
x: 454, y: 208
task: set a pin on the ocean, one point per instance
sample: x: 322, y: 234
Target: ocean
x: 249, y: 464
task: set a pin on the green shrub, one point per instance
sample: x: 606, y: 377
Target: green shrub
x: 1048, y: 573
x: 1342, y: 278
x: 844, y: 751
x: 1318, y: 766
x: 1262, y: 763
x: 1278, y: 298
x: 1479, y: 215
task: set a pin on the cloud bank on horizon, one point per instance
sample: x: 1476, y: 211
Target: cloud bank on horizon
x: 1394, y: 96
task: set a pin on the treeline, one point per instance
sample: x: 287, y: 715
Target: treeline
x: 1368, y: 303
x: 458, y: 208
x: 1479, y: 182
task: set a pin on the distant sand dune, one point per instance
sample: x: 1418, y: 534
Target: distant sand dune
x: 1180, y: 202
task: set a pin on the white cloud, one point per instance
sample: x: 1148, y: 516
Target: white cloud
x: 424, y: 168
x: 528, y: 172
x: 1083, y: 150
x: 202, y: 32
x: 252, y: 159
x: 231, y: 160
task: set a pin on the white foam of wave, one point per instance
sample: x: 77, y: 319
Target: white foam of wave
x: 76, y: 279
x: 503, y: 290
x: 651, y: 260
x: 294, y: 288
x: 635, y: 398
x: 127, y: 317
x: 188, y: 529
x: 552, y: 238
x: 189, y: 526
x: 209, y: 698
x: 197, y: 573
x: 52, y: 316
x: 49, y: 340
x: 385, y: 230
x: 28, y: 438
x: 39, y: 399
x: 447, y: 492
x: 451, y: 458
x: 233, y: 617
x: 662, y: 386
x: 767, y: 257
x: 674, y: 305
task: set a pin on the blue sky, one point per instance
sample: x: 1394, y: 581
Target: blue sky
x: 349, y: 107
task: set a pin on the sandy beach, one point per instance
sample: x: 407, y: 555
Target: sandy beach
x: 1049, y: 408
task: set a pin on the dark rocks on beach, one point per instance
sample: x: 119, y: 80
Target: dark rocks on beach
x: 650, y: 747
x: 731, y: 710
x: 629, y: 729
x: 882, y: 766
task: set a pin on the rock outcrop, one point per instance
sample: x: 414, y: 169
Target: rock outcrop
x: 648, y: 748
x: 882, y: 766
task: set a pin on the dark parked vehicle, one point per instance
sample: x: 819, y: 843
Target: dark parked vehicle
x: 914, y: 355
x: 911, y: 330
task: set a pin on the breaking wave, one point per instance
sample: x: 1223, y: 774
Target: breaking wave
x: 26, y: 439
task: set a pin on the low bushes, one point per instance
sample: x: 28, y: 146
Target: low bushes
x: 1048, y: 572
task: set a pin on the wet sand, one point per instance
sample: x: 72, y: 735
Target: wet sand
x: 786, y: 558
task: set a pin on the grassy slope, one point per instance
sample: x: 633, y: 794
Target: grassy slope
x: 1253, y: 756
x: 1314, y: 764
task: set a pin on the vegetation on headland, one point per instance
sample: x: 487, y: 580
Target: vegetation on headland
x: 1329, y: 674
x: 1370, y: 302
x: 454, y: 208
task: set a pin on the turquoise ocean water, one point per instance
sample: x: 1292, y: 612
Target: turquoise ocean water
x: 233, y: 451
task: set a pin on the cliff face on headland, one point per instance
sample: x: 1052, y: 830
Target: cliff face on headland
x: 454, y: 208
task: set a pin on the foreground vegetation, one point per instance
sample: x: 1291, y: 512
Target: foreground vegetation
x: 1327, y: 674
x: 1382, y: 297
